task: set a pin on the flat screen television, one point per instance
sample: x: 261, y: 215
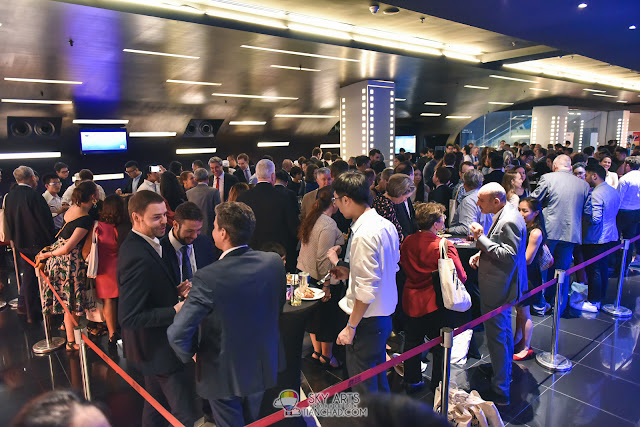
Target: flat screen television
x: 103, y: 140
x: 408, y: 142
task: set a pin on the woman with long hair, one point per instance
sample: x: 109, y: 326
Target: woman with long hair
x: 525, y: 189
x: 65, y: 265
x: 512, y: 184
x: 612, y: 177
x: 310, y: 183
x: 531, y: 210
x: 318, y: 233
x: 237, y: 189
x: 420, y: 195
x: 485, y: 159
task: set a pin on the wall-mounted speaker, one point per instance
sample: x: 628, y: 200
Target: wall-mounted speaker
x: 34, y: 127
x: 202, y: 128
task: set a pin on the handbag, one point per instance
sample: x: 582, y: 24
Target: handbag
x: 92, y: 257
x: 454, y: 295
x: 546, y: 258
x: 93, y: 305
x: 468, y: 409
x: 3, y: 234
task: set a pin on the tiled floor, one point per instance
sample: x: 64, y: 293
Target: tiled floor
x: 602, y: 389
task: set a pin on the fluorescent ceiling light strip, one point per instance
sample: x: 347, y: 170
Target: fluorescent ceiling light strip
x: 36, y: 101
x: 306, y: 116
x: 461, y: 56
x: 539, y: 89
x: 108, y: 176
x: 237, y: 95
x: 60, y: 82
x: 40, y: 155
x: 463, y: 49
x: 100, y: 122
x: 495, y: 76
x: 384, y: 35
x: 151, y: 134
x: 251, y: 9
x: 329, y: 145
x: 476, y: 87
x: 435, y: 103
x: 189, y: 82
x: 320, y: 31
x: 500, y: 103
x: 273, y: 144
x: 394, y: 45
x: 622, y: 102
x: 285, y: 67
x: 604, y: 94
x: 247, y: 123
x: 594, y: 90
x: 149, y: 52
x: 166, y: 5
x: 458, y: 117
x: 291, y: 52
x: 250, y: 19
x: 400, y: 99
x: 520, y: 136
x: 430, y: 114
x: 317, y: 22
x: 196, y: 150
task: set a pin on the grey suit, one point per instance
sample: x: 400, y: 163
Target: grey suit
x: 502, y: 278
x: 468, y: 212
x: 307, y: 203
x: 600, y: 215
x: 207, y: 198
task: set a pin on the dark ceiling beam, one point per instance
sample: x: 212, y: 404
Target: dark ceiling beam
x: 520, y: 55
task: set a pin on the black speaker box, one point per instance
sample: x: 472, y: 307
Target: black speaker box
x: 202, y: 128
x: 34, y: 127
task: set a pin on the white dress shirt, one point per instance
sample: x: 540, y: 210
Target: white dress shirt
x: 155, y: 243
x: 178, y: 247
x: 134, y: 183
x: 150, y: 186
x: 55, y: 203
x: 374, y: 254
x: 229, y: 250
x: 629, y: 189
x: 220, y: 186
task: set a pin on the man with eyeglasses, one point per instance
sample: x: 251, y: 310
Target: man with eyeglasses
x: 52, y: 184
x: 135, y: 178
x: 62, y: 171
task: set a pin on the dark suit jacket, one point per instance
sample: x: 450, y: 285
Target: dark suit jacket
x: 145, y: 310
x: 202, y: 247
x: 442, y: 195
x: 207, y: 199
x: 276, y: 221
x: 230, y: 319
x: 293, y: 199
x: 27, y: 218
x: 239, y: 173
x: 408, y: 223
x: 128, y: 189
x: 494, y: 176
x: 229, y: 180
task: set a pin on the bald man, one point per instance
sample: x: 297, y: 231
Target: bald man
x: 563, y: 197
x: 502, y: 278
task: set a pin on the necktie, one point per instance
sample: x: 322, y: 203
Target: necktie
x: 155, y: 189
x: 217, y: 183
x: 187, y: 272
x: 246, y: 175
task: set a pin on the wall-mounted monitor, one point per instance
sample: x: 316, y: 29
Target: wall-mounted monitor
x: 408, y: 142
x: 103, y: 140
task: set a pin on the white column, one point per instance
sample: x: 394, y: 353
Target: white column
x: 549, y: 124
x: 618, y: 126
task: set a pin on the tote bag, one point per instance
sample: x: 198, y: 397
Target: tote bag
x: 454, y: 295
x: 3, y: 235
x: 92, y: 257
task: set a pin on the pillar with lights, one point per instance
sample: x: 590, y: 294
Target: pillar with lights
x: 367, y: 118
x: 618, y: 126
x: 549, y: 125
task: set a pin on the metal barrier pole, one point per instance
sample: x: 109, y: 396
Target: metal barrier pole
x: 616, y: 310
x: 14, y: 302
x: 50, y: 343
x: 447, y: 343
x: 83, y: 361
x: 552, y: 360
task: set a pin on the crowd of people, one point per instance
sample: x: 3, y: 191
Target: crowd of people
x: 192, y: 262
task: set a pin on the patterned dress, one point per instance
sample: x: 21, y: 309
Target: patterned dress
x: 67, y: 273
x: 386, y: 209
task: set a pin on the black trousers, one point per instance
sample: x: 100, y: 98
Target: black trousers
x: 236, y: 411
x: 29, y: 288
x: 367, y: 350
x: 598, y: 272
x: 417, y: 327
x: 176, y: 392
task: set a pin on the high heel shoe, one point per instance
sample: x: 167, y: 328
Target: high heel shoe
x: 72, y: 346
x: 527, y: 355
x: 326, y: 362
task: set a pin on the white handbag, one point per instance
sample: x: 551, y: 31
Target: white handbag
x: 92, y: 258
x: 454, y: 295
x: 468, y: 409
x: 3, y: 235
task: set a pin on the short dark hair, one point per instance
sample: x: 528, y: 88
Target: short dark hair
x: 337, y: 168
x: 139, y: 202
x: 404, y: 168
x: 274, y: 247
x: 449, y: 159
x: 443, y: 175
x: 373, y: 152
x: 597, y: 169
x: 362, y: 160
x: 243, y: 156
x: 497, y: 161
x: 49, y: 177
x: 188, y: 211
x: 579, y: 158
x: 59, y: 166
x: 295, y: 170
x: 354, y: 185
x: 316, y: 151
x: 282, y: 175
x: 54, y: 408
x: 588, y: 150
x: 175, y: 167
x: 238, y: 220
x: 131, y: 164
x: 465, y: 164
x: 621, y: 150
x: 85, y: 175
x: 197, y: 164
x: 83, y: 192
x: 401, y: 157
x: 112, y: 211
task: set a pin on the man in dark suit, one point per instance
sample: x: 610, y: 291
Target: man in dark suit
x: 135, y: 178
x: 244, y: 171
x: 206, y: 198
x: 147, y: 306
x: 404, y: 211
x: 230, y: 320
x: 29, y: 224
x: 281, y: 187
x: 275, y: 220
x: 219, y: 180
x: 497, y: 169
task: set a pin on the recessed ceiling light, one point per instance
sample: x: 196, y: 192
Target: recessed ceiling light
x: 292, y: 52
x: 189, y: 82
x: 196, y: 150
x: 329, y: 145
x: 247, y: 123
x: 430, y: 114
x: 622, y: 102
x: 435, y: 103
x: 60, y: 82
x: 236, y: 95
x: 273, y: 144
x: 151, y: 134
x: 458, y: 117
x: 476, y: 87
x: 400, y: 99
x: 632, y: 27
x: 306, y: 116
x: 500, y: 103
x: 594, y: 90
x: 294, y: 68
x: 539, y: 89
x: 100, y: 122
x: 41, y: 155
x: 582, y: 5
x: 495, y: 76
x: 108, y: 176
x: 149, y: 52
x: 36, y: 101
x: 604, y: 94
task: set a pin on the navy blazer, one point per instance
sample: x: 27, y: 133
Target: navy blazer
x: 230, y: 319
x: 202, y: 247
x: 145, y: 308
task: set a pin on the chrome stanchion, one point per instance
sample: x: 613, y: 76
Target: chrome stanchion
x: 616, y: 310
x: 84, y: 369
x: 552, y: 360
x: 447, y: 343
x: 14, y: 302
x: 49, y: 343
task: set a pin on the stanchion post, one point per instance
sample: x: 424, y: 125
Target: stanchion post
x: 86, y: 386
x: 49, y: 343
x: 616, y: 310
x: 552, y: 360
x: 14, y: 302
x: 447, y: 343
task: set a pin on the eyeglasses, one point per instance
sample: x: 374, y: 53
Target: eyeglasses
x: 55, y: 183
x: 333, y: 199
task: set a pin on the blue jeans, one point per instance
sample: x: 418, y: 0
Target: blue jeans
x: 562, y: 256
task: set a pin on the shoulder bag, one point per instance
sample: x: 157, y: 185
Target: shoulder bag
x: 90, y: 248
x: 3, y: 234
x: 454, y: 295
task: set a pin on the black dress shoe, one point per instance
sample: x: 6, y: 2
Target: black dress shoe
x: 413, y: 388
x: 498, y: 398
x: 486, y: 370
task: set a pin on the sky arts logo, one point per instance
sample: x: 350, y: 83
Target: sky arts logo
x: 287, y: 400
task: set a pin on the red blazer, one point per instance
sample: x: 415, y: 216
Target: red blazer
x: 419, y: 256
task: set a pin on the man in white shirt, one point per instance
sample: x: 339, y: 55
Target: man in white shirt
x: 52, y: 183
x: 152, y: 180
x: 628, y: 218
x: 373, y: 254
x: 82, y: 176
x: 220, y: 180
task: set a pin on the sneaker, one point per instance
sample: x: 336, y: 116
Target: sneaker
x: 591, y: 307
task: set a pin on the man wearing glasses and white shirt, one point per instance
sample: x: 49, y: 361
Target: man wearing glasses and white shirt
x: 373, y: 254
x: 53, y: 184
